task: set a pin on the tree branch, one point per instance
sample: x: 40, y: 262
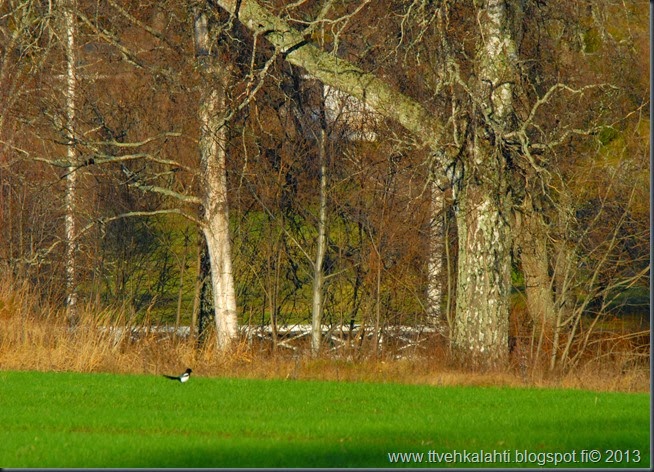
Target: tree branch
x: 109, y: 37
x: 167, y: 192
x: 340, y: 74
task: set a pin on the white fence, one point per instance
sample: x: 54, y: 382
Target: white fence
x: 334, y: 337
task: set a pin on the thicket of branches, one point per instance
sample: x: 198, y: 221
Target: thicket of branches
x: 582, y: 134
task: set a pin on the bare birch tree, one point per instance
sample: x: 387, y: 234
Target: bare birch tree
x: 69, y: 21
x: 321, y: 243
x: 483, y: 200
x: 213, y: 156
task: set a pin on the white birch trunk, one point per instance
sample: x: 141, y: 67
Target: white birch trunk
x: 480, y: 337
x: 483, y: 205
x: 318, y: 275
x: 213, y: 142
x: 70, y: 34
x: 497, y: 61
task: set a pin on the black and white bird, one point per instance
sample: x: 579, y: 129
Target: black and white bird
x: 182, y: 378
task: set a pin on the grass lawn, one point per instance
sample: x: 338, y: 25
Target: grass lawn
x: 105, y: 420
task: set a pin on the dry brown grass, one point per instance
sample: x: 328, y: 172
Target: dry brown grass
x: 34, y: 336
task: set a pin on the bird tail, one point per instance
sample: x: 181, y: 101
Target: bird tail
x: 171, y: 377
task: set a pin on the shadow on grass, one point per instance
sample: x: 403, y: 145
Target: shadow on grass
x: 236, y: 453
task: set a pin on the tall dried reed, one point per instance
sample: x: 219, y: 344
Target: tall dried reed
x: 34, y: 335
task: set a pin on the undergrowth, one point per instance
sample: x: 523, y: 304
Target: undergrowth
x: 35, y: 336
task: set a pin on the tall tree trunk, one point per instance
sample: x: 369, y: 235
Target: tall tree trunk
x: 531, y: 242
x: 213, y: 142
x: 70, y: 35
x: 482, y: 208
x: 318, y: 275
x: 484, y: 201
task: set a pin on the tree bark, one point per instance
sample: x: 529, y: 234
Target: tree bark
x: 318, y: 275
x: 480, y: 338
x: 531, y: 242
x: 483, y: 203
x: 70, y: 89
x: 435, y: 264
x: 213, y: 142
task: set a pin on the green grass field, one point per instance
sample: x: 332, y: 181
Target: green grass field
x: 105, y: 420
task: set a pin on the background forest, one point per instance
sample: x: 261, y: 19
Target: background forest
x: 134, y: 133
